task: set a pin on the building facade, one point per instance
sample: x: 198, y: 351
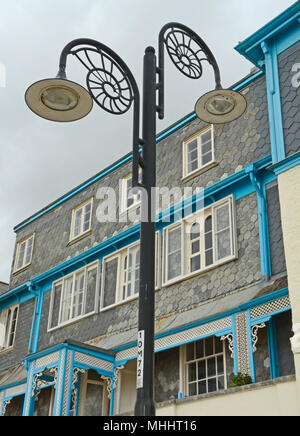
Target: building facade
x: 227, y: 251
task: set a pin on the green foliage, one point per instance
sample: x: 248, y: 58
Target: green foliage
x: 240, y: 380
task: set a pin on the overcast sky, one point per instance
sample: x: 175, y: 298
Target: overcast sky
x: 41, y: 160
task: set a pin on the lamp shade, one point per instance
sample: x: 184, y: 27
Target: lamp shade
x: 58, y: 100
x: 220, y: 106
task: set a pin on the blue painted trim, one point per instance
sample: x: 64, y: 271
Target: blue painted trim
x: 251, y: 355
x: 70, y: 375
x: 286, y: 164
x: 288, y: 38
x: 278, y: 28
x: 272, y: 348
x: 274, y: 102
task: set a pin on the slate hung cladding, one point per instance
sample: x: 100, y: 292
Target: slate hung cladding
x: 225, y: 304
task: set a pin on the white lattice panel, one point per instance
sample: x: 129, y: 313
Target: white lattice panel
x: 242, y: 342
x: 92, y: 361
x: 273, y: 306
x: 67, y: 384
x: 181, y: 337
x: 59, y: 383
x: 47, y: 360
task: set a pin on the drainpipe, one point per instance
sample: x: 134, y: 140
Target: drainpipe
x: 36, y: 321
x: 265, y: 260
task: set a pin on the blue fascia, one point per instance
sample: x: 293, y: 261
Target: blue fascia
x: 284, y: 27
x: 286, y: 164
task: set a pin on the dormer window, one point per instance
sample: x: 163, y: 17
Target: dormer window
x: 81, y: 219
x: 24, y: 253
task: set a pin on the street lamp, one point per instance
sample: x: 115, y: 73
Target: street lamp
x: 112, y: 86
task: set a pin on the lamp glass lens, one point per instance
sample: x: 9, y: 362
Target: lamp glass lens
x: 220, y: 104
x: 59, y: 98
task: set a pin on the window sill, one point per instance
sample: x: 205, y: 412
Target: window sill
x: 80, y: 237
x: 6, y: 350
x: 199, y: 171
x: 69, y: 323
x: 24, y: 268
x: 133, y: 207
x: 200, y: 272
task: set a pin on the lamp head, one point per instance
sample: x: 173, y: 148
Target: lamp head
x: 58, y: 99
x: 220, y: 106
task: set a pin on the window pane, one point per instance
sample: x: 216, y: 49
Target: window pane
x: 29, y: 250
x: 77, y: 225
x: 206, y: 137
x: 13, y: 327
x: 192, y: 145
x: 223, y: 244
x: 21, y: 255
x: 211, y: 366
x: 221, y: 383
x: 201, y: 369
x: 94, y: 399
x: 190, y: 351
x: 174, y: 265
x: 222, y: 215
x: 56, y: 303
x: 208, y: 257
x: 195, y: 263
x: 218, y: 345
x: 87, y: 216
x: 206, y: 158
x: 67, y: 297
x: 91, y: 290
x: 212, y: 384
x: 192, y: 372
x: 206, y: 148
x: 199, y: 349
x: 220, y: 365
x: 174, y: 240
x: 195, y: 231
x: 209, y: 346
x: 208, y: 224
x: 193, y: 389
x: 78, y: 295
x: 208, y: 240
x: 111, y: 272
x: 7, y: 328
x: 192, y: 166
x: 202, y: 387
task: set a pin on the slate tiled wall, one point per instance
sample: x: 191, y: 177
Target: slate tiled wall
x: 290, y: 98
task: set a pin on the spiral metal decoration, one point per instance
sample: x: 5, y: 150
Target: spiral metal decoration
x: 185, y: 51
x: 107, y: 82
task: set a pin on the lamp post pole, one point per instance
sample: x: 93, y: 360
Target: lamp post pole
x: 145, y: 369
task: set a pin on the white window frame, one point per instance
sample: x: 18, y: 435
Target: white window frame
x: 85, y: 270
x: 25, y: 255
x: 124, y: 197
x: 73, y: 219
x: 186, y: 175
x: 185, y: 224
x: 184, y: 382
x: 6, y: 331
x: 120, y: 255
x: 83, y: 391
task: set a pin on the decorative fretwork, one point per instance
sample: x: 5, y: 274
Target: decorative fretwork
x: 117, y: 375
x: 229, y: 337
x: 47, y: 360
x: 254, y: 334
x: 74, y: 394
x: 109, y: 383
x: 273, y: 306
x: 67, y: 383
x: 5, y: 404
x: 94, y: 362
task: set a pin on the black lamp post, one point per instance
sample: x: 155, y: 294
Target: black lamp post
x: 112, y: 86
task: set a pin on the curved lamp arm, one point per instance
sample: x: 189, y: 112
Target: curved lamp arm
x: 111, y: 84
x: 187, y: 50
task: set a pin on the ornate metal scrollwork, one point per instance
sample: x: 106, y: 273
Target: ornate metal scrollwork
x: 229, y: 337
x: 107, y: 81
x: 185, y: 52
